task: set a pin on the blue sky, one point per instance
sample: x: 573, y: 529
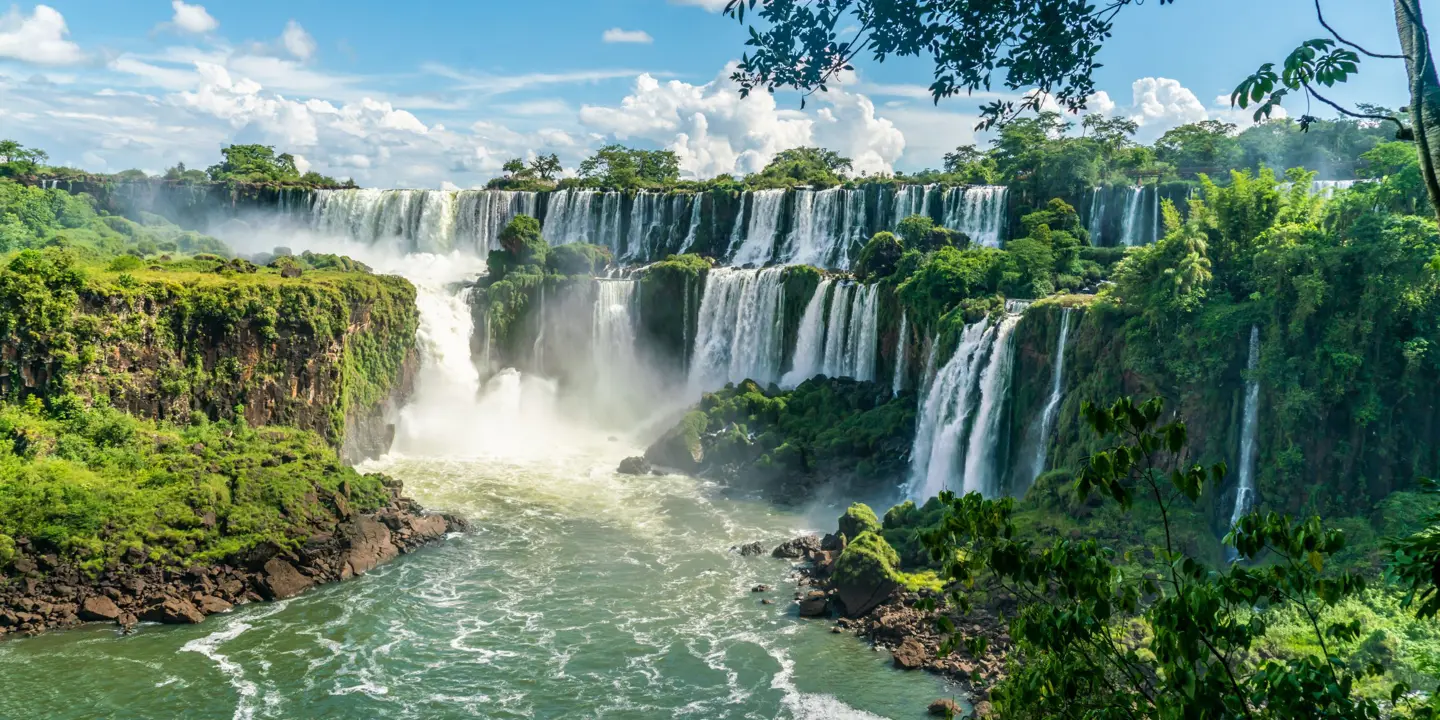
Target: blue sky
x: 438, y: 94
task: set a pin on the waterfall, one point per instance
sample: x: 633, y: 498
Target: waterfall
x: 1133, y: 211
x: 738, y: 333
x: 694, y: 223
x: 537, y: 350
x: 810, y: 344
x: 864, y: 317
x: 928, y: 376
x: 897, y: 384
x: 854, y: 231
x: 977, y: 211
x: 1052, y: 405
x: 567, y: 217
x: 1245, y: 493
x: 816, y: 232
x: 420, y: 220
x: 1327, y: 188
x: 835, y: 328
x: 982, y: 458
x: 1097, y: 216
x: 910, y: 200
x: 615, y: 363
x: 943, y: 412
x: 763, y: 229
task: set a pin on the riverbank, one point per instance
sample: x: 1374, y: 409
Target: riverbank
x: 44, y: 593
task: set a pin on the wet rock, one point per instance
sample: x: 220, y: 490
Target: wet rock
x: 279, y: 580
x: 209, y: 604
x: 767, y: 601
x: 24, y: 566
x: 634, y: 466
x: 99, y: 608
x: 833, y: 542
x: 945, y: 707
x: 173, y: 611
x: 370, y: 544
x: 760, y: 589
x: 800, y: 547
x: 751, y: 549
x: 814, y: 604
x: 910, y: 655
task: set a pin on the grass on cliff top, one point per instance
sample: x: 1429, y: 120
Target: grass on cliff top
x: 90, y: 485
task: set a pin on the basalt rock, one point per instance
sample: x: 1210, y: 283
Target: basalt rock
x: 802, y: 547
x: 634, y: 466
x: 751, y: 549
x: 60, y: 596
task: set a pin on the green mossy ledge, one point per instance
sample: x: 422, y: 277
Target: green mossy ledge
x: 330, y: 351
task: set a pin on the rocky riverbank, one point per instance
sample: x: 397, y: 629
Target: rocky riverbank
x: 43, y: 593
x: 891, y: 616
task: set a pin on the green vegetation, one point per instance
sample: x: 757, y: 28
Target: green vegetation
x: 98, y: 487
x: 869, y: 561
x: 1048, y: 50
x: 170, y: 337
x: 31, y: 218
x: 619, y: 167
x: 1157, y: 632
x: 859, y: 518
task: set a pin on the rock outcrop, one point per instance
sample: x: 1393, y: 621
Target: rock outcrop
x: 41, y: 594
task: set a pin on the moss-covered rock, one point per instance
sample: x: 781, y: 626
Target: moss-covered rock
x: 859, y: 518
x: 330, y: 352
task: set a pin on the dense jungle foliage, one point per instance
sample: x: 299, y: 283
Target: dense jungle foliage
x: 98, y: 487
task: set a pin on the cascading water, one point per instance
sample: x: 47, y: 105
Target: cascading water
x: 902, y: 343
x: 1134, y: 209
x: 1245, y: 491
x: 982, y: 458
x: 944, y: 410
x: 1097, y: 216
x: 695, y: 202
x: 763, y: 230
x: 616, y: 366
x: 420, y: 220
x: 1052, y: 404
x: 836, y: 342
x: 977, y: 211
x: 817, y: 227
x: 810, y: 343
x: 737, y: 335
x: 864, y: 318
x: 567, y: 216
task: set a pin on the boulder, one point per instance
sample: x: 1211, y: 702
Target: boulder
x: 814, y: 604
x: 680, y: 447
x: 751, y: 549
x: 909, y: 655
x: 858, y: 518
x: 279, y: 580
x: 370, y: 543
x: 209, y: 604
x: 172, y: 611
x: 99, y: 608
x: 424, y: 528
x: 832, y: 541
x: 760, y: 589
x: 290, y: 271
x: 865, y: 574
x: 634, y: 466
x: 800, y: 547
x: 945, y: 707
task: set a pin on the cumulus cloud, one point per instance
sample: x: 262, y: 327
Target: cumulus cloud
x: 617, y: 35
x: 713, y: 130
x: 297, y: 42
x: 1160, y: 104
x: 192, y: 18
x: 39, y: 38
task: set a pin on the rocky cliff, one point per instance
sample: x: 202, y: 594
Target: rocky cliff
x: 330, y: 351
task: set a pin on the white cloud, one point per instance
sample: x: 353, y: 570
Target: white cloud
x: 711, y: 5
x: 192, y: 18
x: 713, y: 130
x: 616, y: 35
x: 39, y: 38
x: 298, y: 42
x: 1160, y: 104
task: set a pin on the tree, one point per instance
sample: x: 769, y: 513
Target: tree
x: 1080, y: 651
x: 513, y: 167
x: 1048, y: 49
x: 974, y: 166
x: 521, y: 239
x: 879, y: 256
x: 16, y: 159
x: 807, y: 166
x: 546, y: 167
x: 1208, y: 146
x: 253, y: 163
x: 617, y: 166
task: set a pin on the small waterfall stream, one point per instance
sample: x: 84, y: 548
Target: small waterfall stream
x: 810, y: 342
x: 1245, y: 491
x: 901, y: 345
x: 737, y: 335
x: 1052, y: 404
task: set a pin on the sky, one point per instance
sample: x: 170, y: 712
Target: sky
x: 441, y: 94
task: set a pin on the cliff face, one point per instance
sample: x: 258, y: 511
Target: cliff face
x: 331, y: 352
